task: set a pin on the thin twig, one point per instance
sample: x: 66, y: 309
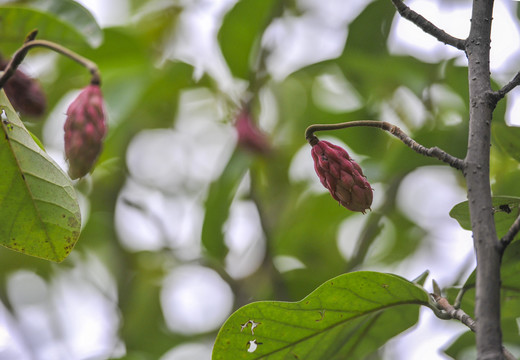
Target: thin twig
x: 20, y: 54
x: 427, y: 26
x: 392, y: 129
x: 508, y: 87
x: 454, y: 313
x: 464, y: 318
x: 511, y: 233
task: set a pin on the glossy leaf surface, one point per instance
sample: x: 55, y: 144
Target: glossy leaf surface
x: 342, y: 319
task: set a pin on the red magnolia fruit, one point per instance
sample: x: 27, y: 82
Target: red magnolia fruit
x: 249, y: 136
x: 85, y: 130
x: 24, y: 93
x: 342, y: 176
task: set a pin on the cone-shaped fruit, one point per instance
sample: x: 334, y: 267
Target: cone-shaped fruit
x: 85, y: 130
x: 24, y: 93
x: 342, y: 176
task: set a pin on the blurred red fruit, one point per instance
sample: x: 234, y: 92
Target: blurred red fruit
x: 24, y: 93
x: 342, y: 176
x: 85, y: 130
x: 249, y: 136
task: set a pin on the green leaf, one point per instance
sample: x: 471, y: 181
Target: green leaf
x: 241, y: 27
x: 219, y: 200
x: 17, y: 22
x: 39, y: 212
x: 505, y: 213
x: 347, y: 317
x: 74, y: 14
x: 507, y: 139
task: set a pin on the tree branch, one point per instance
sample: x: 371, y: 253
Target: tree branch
x: 434, y: 152
x: 511, y: 233
x: 464, y: 318
x: 454, y: 313
x: 508, y: 87
x: 485, y: 239
x: 427, y: 26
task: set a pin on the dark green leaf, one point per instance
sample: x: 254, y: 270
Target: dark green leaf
x: 39, y: 212
x: 345, y: 318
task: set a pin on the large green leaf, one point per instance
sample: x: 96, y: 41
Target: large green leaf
x: 347, y: 317
x: 241, y: 27
x: 39, y: 212
x: 16, y: 22
x: 505, y: 213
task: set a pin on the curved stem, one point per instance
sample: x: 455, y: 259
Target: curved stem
x: 392, y: 129
x: 20, y: 54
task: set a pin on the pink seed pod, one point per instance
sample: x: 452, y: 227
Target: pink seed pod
x: 24, y: 93
x: 249, y: 136
x: 85, y: 130
x: 342, y: 176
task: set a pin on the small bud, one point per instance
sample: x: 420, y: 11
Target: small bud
x: 342, y: 176
x: 249, y: 136
x: 24, y: 93
x: 85, y: 130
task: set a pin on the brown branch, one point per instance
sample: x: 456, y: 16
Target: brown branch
x: 434, y: 152
x: 427, y: 26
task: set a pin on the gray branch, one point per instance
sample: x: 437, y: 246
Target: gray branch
x: 428, y: 27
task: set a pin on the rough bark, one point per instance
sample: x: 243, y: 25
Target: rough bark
x: 482, y: 103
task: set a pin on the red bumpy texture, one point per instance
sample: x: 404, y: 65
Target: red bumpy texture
x: 342, y: 176
x: 24, y: 93
x: 85, y: 130
x: 249, y: 136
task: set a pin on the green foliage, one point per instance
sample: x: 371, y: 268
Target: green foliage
x: 39, y: 209
x: 344, y: 313
x: 240, y: 31
x: 343, y: 318
x: 507, y: 136
x: 219, y: 200
x: 71, y: 24
x: 505, y: 210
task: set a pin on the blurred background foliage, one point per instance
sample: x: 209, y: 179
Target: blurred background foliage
x: 181, y: 225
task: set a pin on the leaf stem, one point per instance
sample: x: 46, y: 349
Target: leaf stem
x: 392, y: 129
x: 20, y: 54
